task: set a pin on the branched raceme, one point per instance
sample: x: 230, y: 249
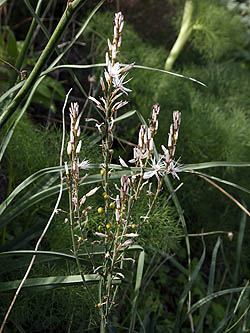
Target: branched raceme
x: 117, y: 230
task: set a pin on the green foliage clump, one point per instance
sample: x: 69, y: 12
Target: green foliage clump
x: 32, y: 148
x: 54, y: 310
x: 217, y: 32
x: 163, y: 221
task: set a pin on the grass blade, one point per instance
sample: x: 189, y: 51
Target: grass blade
x: 215, y: 164
x: 10, y: 91
x: 32, y: 252
x: 137, y: 67
x: 210, y: 297
x: 239, y: 247
x: 53, y: 282
x: 210, y: 283
x: 139, y: 273
x: 125, y: 115
x: 223, y: 181
x: 186, y: 291
x: 26, y: 183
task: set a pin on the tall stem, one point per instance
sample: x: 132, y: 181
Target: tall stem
x: 184, y: 34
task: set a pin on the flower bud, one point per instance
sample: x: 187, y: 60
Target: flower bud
x: 69, y: 149
x: 66, y: 168
x: 78, y: 148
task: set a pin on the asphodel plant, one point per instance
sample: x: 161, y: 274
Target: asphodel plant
x: 118, y: 229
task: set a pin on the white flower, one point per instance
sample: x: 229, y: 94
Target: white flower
x: 114, y: 70
x: 84, y: 164
x: 119, y: 84
x: 173, y: 169
x: 138, y: 155
x: 107, y: 77
x: 157, y: 167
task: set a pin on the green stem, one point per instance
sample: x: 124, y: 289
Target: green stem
x: 109, y: 282
x: 62, y: 25
x: 184, y: 34
x: 75, y: 250
x: 22, y: 54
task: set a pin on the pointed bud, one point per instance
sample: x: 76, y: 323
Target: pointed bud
x: 66, y: 169
x: 117, y: 215
x: 109, y: 46
x: 151, y: 145
x: 92, y: 192
x: 78, y: 148
x: 102, y: 84
x: 107, y: 77
x: 122, y: 162
x: 69, y: 149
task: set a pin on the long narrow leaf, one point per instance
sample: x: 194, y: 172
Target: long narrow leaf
x: 139, y: 273
x: 238, y: 320
x: 37, y: 19
x: 26, y: 183
x: 32, y: 252
x: 238, y: 257
x: 135, y: 66
x: 187, y: 289
x: 15, y: 122
x: 125, y: 115
x: 10, y: 91
x: 205, y: 165
x: 12, y: 107
x: 61, y: 281
x: 53, y: 282
x: 210, y: 283
x: 22, y: 205
x: 64, y: 255
x: 223, y: 181
x: 210, y: 297
x: 239, y: 247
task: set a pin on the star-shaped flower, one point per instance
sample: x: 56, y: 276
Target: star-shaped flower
x: 157, y: 169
